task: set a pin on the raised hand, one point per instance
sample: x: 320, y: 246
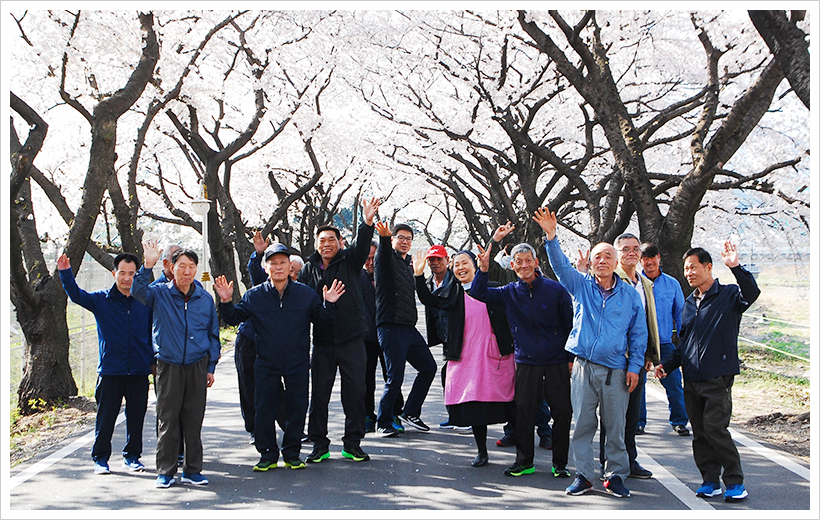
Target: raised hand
x: 152, y: 252
x: 546, y: 219
x: 418, y: 263
x: 259, y: 243
x: 729, y: 254
x: 223, y: 288
x: 484, y: 257
x: 502, y: 231
x: 63, y: 263
x: 370, y: 207
x: 583, y: 262
x: 337, y: 289
x: 383, y: 229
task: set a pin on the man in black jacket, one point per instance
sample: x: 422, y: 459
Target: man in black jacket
x: 708, y: 356
x: 396, y: 318
x: 342, y: 343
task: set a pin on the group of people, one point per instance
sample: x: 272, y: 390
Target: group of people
x: 516, y: 345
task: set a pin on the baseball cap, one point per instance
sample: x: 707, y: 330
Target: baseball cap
x: 276, y: 249
x: 436, y: 251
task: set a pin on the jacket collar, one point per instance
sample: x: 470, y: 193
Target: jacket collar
x: 113, y: 292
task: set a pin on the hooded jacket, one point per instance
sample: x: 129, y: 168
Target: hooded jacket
x: 123, y: 328
x: 609, y: 330
x: 708, y: 346
x: 184, y: 332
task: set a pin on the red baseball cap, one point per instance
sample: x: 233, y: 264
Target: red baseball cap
x: 436, y: 251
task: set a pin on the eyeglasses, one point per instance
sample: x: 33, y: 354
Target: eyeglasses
x: 404, y: 238
x: 626, y: 250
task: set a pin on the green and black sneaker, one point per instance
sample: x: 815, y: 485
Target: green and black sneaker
x: 516, y: 470
x: 355, y: 454
x: 265, y: 465
x: 318, y: 455
x: 295, y: 464
x: 560, y: 472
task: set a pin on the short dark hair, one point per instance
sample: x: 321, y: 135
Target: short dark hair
x: 703, y: 256
x: 126, y: 257
x: 402, y: 227
x: 328, y: 227
x: 649, y: 250
x: 624, y: 236
x: 184, y: 252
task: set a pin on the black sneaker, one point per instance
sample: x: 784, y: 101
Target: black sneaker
x: 480, y: 460
x: 356, y: 454
x: 295, y: 464
x: 638, y: 471
x: 560, y: 472
x: 615, y: 486
x: 318, y: 455
x: 681, y: 430
x: 505, y: 441
x: 386, y: 432
x: 640, y: 430
x: 265, y: 465
x: 415, y: 422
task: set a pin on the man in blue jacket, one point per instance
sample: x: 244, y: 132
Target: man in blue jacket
x: 126, y: 358
x: 539, y: 311
x: 609, y: 339
x: 281, y: 311
x: 186, y: 345
x: 708, y: 355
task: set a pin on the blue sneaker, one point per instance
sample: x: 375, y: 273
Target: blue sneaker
x: 615, y: 486
x: 193, y: 478
x: 101, y: 467
x: 579, y: 486
x: 709, y: 490
x: 133, y: 464
x: 397, y: 424
x: 446, y: 425
x: 164, y: 481
x: 735, y: 492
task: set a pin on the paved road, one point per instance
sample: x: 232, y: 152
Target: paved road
x: 417, y: 470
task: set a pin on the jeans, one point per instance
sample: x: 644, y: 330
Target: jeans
x: 674, y: 393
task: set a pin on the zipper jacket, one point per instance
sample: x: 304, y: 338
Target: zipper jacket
x: 539, y: 313
x: 123, y: 328
x: 186, y: 329
x: 608, y: 329
x: 708, y: 346
x: 282, y: 325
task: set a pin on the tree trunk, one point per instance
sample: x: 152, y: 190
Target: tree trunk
x: 47, y: 376
x: 790, y: 48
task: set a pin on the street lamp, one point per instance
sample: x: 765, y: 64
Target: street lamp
x: 201, y: 205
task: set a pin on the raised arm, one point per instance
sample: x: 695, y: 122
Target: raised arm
x: 77, y: 295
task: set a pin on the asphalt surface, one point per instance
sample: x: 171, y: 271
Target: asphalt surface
x: 416, y: 470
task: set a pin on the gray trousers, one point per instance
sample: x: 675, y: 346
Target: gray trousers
x: 599, y: 389
x: 181, y: 393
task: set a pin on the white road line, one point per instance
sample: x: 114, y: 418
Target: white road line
x: 763, y: 451
x: 55, y: 457
x: 675, y: 486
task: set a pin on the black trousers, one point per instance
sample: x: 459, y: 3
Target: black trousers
x: 375, y: 356
x: 267, y: 398
x: 245, y: 356
x: 532, y: 384
x: 181, y: 395
x: 633, y: 415
x: 709, y: 406
x: 110, y: 392
x: 350, y: 358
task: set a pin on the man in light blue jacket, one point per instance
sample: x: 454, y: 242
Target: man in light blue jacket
x: 608, y: 338
x: 186, y: 345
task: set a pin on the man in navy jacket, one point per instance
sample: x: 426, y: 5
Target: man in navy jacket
x: 539, y: 311
x: 281, y: 311
x: 126, y: 358
x: 708, y: 355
